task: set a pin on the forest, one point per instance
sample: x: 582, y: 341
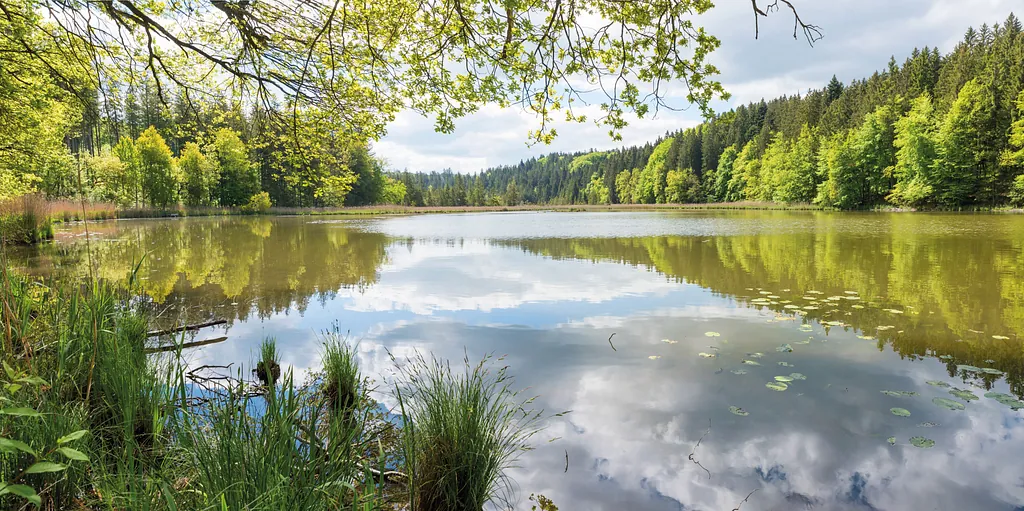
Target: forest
x: 937, y: 131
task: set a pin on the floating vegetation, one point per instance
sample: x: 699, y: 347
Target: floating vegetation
x: 965, y: 367
x: 835, y: 323
x: 814, y: 292
x: 738, y: 411
x: 893, y: 311
x: 1006, y: 399
x: 966, y: 395
x: 755, y: 355
x: 937, y: 383
x: 946, y: 357
x: 765, y: 292
x: 948, y: 403
x: 797, y: 376
x: 806, y: 328
x: 712, y: 334
x: 899, y: 393
x: 810, y: 307
x: 900, y: 412
x: 891, y: 440
x: 774, y: 297
x: 1000, y: 337
x: 922, y: 442
x: 927, y: 425
x: 857, y: 306
x: 992, y: 370
x: 785, y: 364
x: 751, y: 363
x: 776, y: 386
x: 810, y: 298
x: 785, y: 348
x: 654, y: 357
x: 707, y: 355
x: 866, y: 337
x: 883, y: 328
x: 669, y: 341
x: 783, y: 379
x: 851, y: 292
x: 990, y: 361
x: 792, y: 307
x: 739, y: 371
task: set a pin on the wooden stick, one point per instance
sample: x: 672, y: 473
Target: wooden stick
x: 173, y: 347
x: 186, y: 328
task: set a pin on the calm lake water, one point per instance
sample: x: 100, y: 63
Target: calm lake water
x: 863, y: 317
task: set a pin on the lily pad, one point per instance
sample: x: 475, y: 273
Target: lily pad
x: 738, y: 371
x: 936, y: 383
x: 706, y: 355
x: 755, y: 355
x: 712, y: 334
x: 899, y: 393
x: 654, y: 357
x: 1000, y: 337
x: 964, y: 367
x: 992, y: 370
x: 776, y: 386
x: 866, y: 337
x: 948, y: 403
x: 783, y: 379
x: 851, y: 292
x: 927, y: 425
x: 811, y: 307
x: 738, y: 411
x: 885, y: 327
x: 1006, y: 399
x: 751, y: 363
x: 891, y: 440
x: 797, y: 376
x: 785, y: 348
x: 900, y: 412
x: 791, y: 306
x: 966, y: 395
x: 922, y: 442
x: 990, y: 361
x: 857, y: 306
x: 785, y: 364
x: 669, y: 341
x: 946, y: 357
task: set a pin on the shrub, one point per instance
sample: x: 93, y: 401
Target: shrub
x: 257, y: 204
x: 1017, y: 191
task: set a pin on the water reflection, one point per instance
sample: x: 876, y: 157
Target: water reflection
x: 548, y: 290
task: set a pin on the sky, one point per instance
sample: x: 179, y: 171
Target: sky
x: 860, y: 36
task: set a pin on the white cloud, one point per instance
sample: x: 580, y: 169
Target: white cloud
x: 860, y: 36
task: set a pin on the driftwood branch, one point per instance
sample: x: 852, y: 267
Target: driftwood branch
x: 701, y: 439
x: 737, y: 508
x: 186, y: 345
x: 186, y: 328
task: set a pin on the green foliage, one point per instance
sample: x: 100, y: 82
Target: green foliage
x: 720, y: 187
x: 966, y: 166
x: 199, y: 175
x: 159, y: 183
x: 258, y: 203
x: 394, y: 190
x: 916, y: 154
x: 597, y: 192
x: 239, y: 179
x: 682, y: 187
x: 1017, y: 191
x: 511, y: 197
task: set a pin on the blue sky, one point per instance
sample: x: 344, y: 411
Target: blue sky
x: 860, y: 36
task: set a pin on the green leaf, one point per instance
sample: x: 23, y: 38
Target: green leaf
x: 72, y: 454
x: 21, y: 412
x: 10, y: 446
x: 43, y: 467
x: 71, y: 437
x: 33, y: 380
x: 10, y: 371
x: 12, y: 387
x: 922, y: 442
x: 900, y: 412
x: 25, y: 492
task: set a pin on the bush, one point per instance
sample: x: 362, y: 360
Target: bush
x: 257, y: 204
x: 1017, y: 191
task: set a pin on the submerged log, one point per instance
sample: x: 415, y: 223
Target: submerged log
x: 186, y: 345
x: 186, y: 328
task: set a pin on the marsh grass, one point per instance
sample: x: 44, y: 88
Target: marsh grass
x: 160, y: 439
x: 465, y: 429
x: 25, y: 220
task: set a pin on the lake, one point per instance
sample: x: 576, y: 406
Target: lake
x: 791, y: 345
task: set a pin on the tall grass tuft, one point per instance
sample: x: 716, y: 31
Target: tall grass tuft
x: 464, y: 430
x: 25, y: 220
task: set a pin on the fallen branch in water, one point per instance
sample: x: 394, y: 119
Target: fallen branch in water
x: 691, y: 458
x: 610, y: 341
x: 186, y: 328
x: 174, y: 347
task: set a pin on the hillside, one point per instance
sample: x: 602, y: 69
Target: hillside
x: 943, y: 131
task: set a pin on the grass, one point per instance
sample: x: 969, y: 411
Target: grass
x: 116, y: 428
x: 25, y: 220
x: 467, y: 428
